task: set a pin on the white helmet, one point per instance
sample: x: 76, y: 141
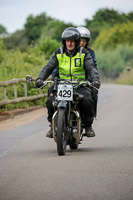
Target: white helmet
x: 85, y: 33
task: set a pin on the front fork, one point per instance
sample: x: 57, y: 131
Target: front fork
x: 54, y: 125
x: 78, y: 119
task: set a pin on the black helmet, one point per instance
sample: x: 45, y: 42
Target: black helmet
x: 71, y: 33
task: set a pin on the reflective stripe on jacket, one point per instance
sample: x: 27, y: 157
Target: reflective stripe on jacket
x: 71, y: 68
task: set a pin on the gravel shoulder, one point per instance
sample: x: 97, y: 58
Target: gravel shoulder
x: 20, y: 117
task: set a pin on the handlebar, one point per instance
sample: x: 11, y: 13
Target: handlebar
x: 77, y: 84
x: 56, y: 81
x: 44, y: 84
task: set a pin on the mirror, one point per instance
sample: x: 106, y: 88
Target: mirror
x: 29, y: 78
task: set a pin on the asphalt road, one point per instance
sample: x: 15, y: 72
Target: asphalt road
x: 101, y: 169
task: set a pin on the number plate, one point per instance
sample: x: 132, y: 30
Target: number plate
x: 65, y: 92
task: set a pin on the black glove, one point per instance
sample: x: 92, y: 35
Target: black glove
x: 96, y: 84
x: 39, y: 82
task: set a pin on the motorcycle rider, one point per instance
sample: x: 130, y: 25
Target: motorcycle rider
x: 73, y: 62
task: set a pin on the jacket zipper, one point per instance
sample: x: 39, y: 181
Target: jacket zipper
x: 70, y: 69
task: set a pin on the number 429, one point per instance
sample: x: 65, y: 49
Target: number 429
x: 65, y: 93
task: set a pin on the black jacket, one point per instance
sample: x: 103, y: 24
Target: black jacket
x: 92, y: 53
x: 90, y: 71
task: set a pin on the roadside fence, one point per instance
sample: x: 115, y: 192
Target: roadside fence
x: 4, y: 98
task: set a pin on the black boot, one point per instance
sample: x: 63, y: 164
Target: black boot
x: 89, y: 131
x: 50, y: 133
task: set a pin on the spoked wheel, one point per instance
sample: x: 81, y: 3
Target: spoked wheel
x: 61, y: 132
x: 74, y: 121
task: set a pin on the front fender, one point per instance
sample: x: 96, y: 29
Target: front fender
x: 62, y: 104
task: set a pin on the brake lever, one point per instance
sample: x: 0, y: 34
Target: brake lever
x: 30, y: 79
x: 44, y: 84
x: 94, y: 87
x: 30, y: 82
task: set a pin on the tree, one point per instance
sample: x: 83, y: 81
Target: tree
x: 130, y: 16
x: 17, y: 40
x: 34, y: 25
x: 2, y: 29
x: 104, y: 19
x: 54, y: 29
x: 110, y: 16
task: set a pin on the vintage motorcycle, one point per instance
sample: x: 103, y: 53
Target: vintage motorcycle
x: 66, y: 121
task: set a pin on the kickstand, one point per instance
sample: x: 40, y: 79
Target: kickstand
x: 82, y: 135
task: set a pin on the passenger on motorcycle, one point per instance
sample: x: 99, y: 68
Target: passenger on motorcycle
x: 84, y: 42
x: 74, y: 63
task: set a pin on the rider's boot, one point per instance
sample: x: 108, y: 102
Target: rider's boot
x: 89, y: 131
x: 50, y: 133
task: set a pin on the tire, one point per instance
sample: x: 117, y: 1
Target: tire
x: 73, y: 146
x: 61, y: 132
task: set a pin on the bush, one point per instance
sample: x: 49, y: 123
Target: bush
x: 112, y: 62
x: 126, y: 77
x: 15, y: 64
x: 47, y: 46
x: 2, y: 50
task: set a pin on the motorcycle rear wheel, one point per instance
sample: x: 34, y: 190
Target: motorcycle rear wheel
x: 61, y: 132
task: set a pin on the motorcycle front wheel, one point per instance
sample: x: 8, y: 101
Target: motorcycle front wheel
x: 61, y: 132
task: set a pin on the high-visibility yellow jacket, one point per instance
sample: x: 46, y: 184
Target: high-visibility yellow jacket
x: 71, y: 67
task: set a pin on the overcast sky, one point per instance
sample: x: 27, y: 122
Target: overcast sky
x: 13, y: 13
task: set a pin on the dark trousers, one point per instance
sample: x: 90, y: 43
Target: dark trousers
x: 49, y: 104
x: 85, y: 105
